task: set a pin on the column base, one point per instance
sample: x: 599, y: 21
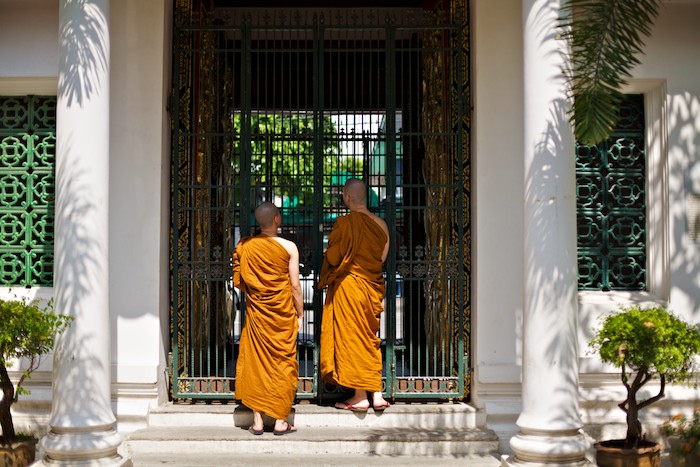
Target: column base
x: 72, y: 448
x: 508, y: 461
x: 116, y: 461
x: 536, y: 448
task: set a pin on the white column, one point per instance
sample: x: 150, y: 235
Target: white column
x: 82, y: 424
x: 549, y: 422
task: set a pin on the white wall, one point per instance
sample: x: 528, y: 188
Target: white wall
x: 670, y: 58
x: 28, y: 38
x: 670, y: 70
x: 139, y: 185
x: 673, y: 54
x: 29, y: 65
x: 139, y: 188
x: 670, y: 65
x: 497, y: 158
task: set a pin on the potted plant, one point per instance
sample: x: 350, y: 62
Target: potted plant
x: 683, y: 435
x: 643, y: 343
x: 27, y: 332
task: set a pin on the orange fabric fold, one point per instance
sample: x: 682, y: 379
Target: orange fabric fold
x: 267, y: 371
x: 352, y: 270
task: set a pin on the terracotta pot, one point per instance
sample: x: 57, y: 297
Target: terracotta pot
x: 611, y: 454
x: 18, y: 454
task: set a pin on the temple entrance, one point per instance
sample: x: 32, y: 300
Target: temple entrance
x: 285, y: 105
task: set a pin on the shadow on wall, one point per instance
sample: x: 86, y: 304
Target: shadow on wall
x: 81, y: 266
x: 550, y: 249
x: 83, y: 50
x: 80, y: 257
x: 684, y: 200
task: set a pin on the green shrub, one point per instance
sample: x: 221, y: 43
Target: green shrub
x: 645, y: 343
x: 27, y: 330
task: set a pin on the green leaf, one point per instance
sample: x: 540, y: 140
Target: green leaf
x: 28, y: 330
x: 652, y: 340
x: 605, y: 38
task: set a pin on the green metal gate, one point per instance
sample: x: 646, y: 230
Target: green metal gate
x: 285, y: 106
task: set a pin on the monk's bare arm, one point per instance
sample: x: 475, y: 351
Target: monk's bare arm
x: 237, y: 282
x: 294, y: 279
x: 382, y: 224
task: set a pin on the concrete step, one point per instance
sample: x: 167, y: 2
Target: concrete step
x: 327, y: 460
x: 410, y: 441
x: 404, y: 434
x: 418, y: 415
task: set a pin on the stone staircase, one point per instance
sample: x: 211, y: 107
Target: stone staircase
x: 405, y: 434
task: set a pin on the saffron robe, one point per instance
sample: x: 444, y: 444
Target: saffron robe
x: 267, y: 372
x: 352, y: 270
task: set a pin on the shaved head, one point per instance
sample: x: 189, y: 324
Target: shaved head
x: 265, y: 214
x: 356, y: 190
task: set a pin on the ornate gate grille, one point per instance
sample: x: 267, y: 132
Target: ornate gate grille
x: 286, y: 106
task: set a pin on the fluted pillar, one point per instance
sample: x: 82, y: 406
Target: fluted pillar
x: 549, y: 423
x: 82, y: 424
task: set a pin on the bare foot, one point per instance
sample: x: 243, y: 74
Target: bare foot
x: 282, y: 427
x: 359, y: 402
x: 378, y: 402
x: 257, y: 425
x: 361, y: 406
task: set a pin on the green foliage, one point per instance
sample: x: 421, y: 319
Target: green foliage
x: 649, y: 340
x: 28, y: 331
x: 286, y: 142
x: 605, y: 38
x: 645, y: 343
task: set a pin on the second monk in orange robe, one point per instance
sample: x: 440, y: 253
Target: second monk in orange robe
x: 352, y: 271
x: 266, y: 268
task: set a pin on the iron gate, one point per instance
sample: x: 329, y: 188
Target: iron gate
x: 285, y: 107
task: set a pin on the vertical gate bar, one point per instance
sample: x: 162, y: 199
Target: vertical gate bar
x: 462, y: 108
x: 233, y: 223
x: 245, y: 141
x: 246, y: 137
x: 277, y: 106
x: 390, y: 215
x: 222, y: 193
x: 295, y: 44
x: 216, y: 191
x: 409, y: 219
x: 366, y: 104
x: 317, y: 90
x: 192, y: 198
x: 208, y: 280
x: 310, y: 351
x: 422, y: 352
x: 269, y: 162
x: 222, y: 204
x: 175, y: 176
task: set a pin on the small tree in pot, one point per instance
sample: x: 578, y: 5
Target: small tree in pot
x: 645, y: 343
x: 27, y: 330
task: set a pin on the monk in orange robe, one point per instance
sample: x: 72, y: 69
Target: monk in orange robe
x: 266, y: 268
x: 352, y: 270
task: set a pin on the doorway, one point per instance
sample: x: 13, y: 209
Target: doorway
x: 285, y: 106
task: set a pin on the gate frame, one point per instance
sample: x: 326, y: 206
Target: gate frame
x: 463, y: 225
